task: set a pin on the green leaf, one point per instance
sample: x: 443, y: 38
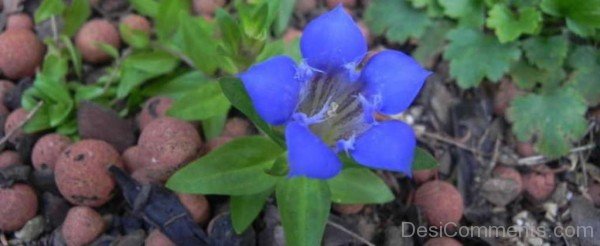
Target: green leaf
x: 74, y: 54
x: 582, y: 16
x: 145, y: 7
x: 527, y: 76
x: 396, y: 19
x: 236, y: 93
x: 304, y: 207
x: 546, y: 52
x: 556, y: 118
x: 168, y: 19
x: 586, y: 75
x: 191, y: 32
x: 433, y: 8
x: 176, y: 87
x: 254, y: 19
x: 245, y: 209
x: 202, y: 103
x: 109, y: 49
x: 584, y: 56
x: 286, y: 8
x: 509, y: 26
x: 359, y: 186
x: 47, y: 9
x: 143, y: 66
x: 39, y: 122
x: 135, y: 38
x: 474, y: 56
x: 236, y: 168
x: 432, y: 43
x: 423, y: 160
x: 75, y: 15
x: 230, y: 31
x: 469, y: 13
x: 213, y: 126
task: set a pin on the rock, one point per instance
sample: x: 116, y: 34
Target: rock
x: 97, y: 122
x: 441, y: 203
x: 82, y: 225
x: 47, y: 150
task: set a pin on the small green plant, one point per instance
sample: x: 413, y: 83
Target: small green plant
x: 546, y: 47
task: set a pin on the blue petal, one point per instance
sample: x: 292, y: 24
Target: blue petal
x: 273, y: 88
x: 396, y: 77
x: 389, y: 145
x: 332, y: 40
x: 308, y: 155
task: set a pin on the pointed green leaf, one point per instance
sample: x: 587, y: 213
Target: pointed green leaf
x: 359, y: 186
x: 304, y: 207
x: 236, y: 168
x: 245, y: 209
x: 423, y: 160
x: 204, y: 102
x: 75, y: 15
x: 47, y: 9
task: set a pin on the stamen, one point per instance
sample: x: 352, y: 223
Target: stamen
x: 319, y: 117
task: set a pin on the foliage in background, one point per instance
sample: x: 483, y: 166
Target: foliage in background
x: 548, y: 48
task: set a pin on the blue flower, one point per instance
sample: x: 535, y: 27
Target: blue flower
x: 327, y: 105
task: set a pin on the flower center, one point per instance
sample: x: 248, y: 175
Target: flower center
x: 332, y: 106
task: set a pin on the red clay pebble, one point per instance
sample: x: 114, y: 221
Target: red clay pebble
x: 207, y: 7
x: 347, y: 209
x: 525, y: 149
x: 82, y: 226
x: 9, y: 158
x: 305, y: 6
x: 422, y: 176
x: 154, y: 108
x: 171, y: 143
x: 21, y: 52
x: 236, y: 127
x: 47, y: 150
x: 137, y: 22
x: 594, y: 192
x: 198, y: 207
x: 539, y: 186
x: 13, y: 122
x: 157, y: 238
x: 440, y: 202
x: 217, y: 142
x: 133, y: 158
x: 442, y: 241
x: 509, y: 173
x: 19, y: 21
x: 18, y: 204
x: 347, y: 3
x: 94, y: 32
x: 81, y: 172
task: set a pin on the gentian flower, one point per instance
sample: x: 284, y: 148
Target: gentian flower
x: 327, y: 105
